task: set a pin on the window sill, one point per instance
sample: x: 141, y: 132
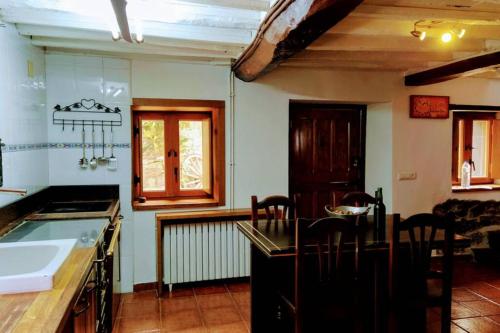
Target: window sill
x: 155, y: 204
x: 476, y: 188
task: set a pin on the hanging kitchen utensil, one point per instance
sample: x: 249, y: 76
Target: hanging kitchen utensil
x: 102, y: 159
x: 112, y: 160
x: 93, y: 160
x: 84, y: 163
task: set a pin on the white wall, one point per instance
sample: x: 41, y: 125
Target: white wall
x: 22, y: 112
x: 424, y: 145
x: 69, y: 79
x: 261, y: 126
x: 394, y: 141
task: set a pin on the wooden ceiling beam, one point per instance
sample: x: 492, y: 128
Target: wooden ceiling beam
x: 289, y: 28
x: 453, y: 70
x: 422, y: 12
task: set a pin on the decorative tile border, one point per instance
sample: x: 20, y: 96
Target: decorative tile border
x: 23, y: 147
x: 68, y: 145
x: 13, y: 148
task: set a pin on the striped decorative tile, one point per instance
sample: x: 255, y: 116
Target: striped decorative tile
x: 12, y: 148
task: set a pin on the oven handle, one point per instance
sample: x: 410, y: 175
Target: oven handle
x: 114, y: 238
x: 85, y: 297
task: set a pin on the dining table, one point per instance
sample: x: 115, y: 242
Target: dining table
x: 272, y: 270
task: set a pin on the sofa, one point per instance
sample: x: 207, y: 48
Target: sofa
x: 478, y: 220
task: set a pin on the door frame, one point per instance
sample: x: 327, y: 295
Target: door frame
x: 330, y: 105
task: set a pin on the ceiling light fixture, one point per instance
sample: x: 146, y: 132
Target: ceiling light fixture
x: 461, y: 33
x: 418, y: 33
x: 446, y: 37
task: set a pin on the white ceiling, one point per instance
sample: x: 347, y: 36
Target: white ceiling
x: 197, y: 30
x: 376, y: 36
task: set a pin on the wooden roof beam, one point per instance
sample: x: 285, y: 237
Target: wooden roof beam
x: 289, y: 28
x: 453, y: 70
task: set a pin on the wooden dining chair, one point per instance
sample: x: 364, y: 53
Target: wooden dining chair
x: 328, y: 276
x: 281, y: 205
x: 357, y: 199
x: 419, y: 279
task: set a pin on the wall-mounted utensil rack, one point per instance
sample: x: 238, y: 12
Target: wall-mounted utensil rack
x: 87, y: 112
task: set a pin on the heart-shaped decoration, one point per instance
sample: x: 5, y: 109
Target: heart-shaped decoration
x: 88, y: 103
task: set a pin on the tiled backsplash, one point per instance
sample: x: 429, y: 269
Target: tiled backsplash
x: 23, y: 125
x: 71, y: 78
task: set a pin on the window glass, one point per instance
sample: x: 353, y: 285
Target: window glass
x: 480, y: 145
x: 153, y: 155
x: 194, y: 144
x: 460, y: 148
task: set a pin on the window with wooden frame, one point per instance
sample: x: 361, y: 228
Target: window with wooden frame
x: 178, y: 153
x: 476, y: 137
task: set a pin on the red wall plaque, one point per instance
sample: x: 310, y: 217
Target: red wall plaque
x: 429, y: 106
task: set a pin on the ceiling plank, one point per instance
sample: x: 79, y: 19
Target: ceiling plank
x: 422, y: 12
x: 260, y: 5
x: 122, y: 47
x: 158, y: 29
x: 453, y: 70
x: 104, y: 36
x: 289, y: 28
x: 392, y: 43
x: 354, y: 56
x: 374, y: 26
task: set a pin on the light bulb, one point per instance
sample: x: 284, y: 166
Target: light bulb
x: 461, y: 33
x: 422, y: 36
x: 115, y: 35
x: 139, y: 37
x: 446, y: 37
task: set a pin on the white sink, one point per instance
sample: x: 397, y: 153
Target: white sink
x: 31, y: 266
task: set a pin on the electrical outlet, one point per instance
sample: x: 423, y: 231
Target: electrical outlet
x: 407, y: 175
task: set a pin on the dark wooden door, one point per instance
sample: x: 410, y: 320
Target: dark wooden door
x: 326, y: 154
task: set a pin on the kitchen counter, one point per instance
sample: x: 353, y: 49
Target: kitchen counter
x: 47, y: 311
x: 39, y: 217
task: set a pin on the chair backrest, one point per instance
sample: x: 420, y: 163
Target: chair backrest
x: 326, y: 238
x: 422, y: 230
x: 357, y: 199
x: 334, y: 242
x: 281, y: 205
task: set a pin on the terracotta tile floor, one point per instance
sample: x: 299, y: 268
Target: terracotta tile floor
x: 218, y: 308
x: 226, y: 307
x: 476, y: 301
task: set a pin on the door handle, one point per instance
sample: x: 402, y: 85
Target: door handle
x: 176, y: 171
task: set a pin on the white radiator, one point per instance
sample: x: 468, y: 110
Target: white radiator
x: 205, y: 251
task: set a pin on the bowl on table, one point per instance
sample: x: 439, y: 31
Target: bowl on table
x: 346, y: 211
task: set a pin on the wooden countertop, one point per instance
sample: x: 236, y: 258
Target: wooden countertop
x: 47, y: 311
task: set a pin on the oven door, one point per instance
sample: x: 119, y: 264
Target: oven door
x: 113, y: 270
